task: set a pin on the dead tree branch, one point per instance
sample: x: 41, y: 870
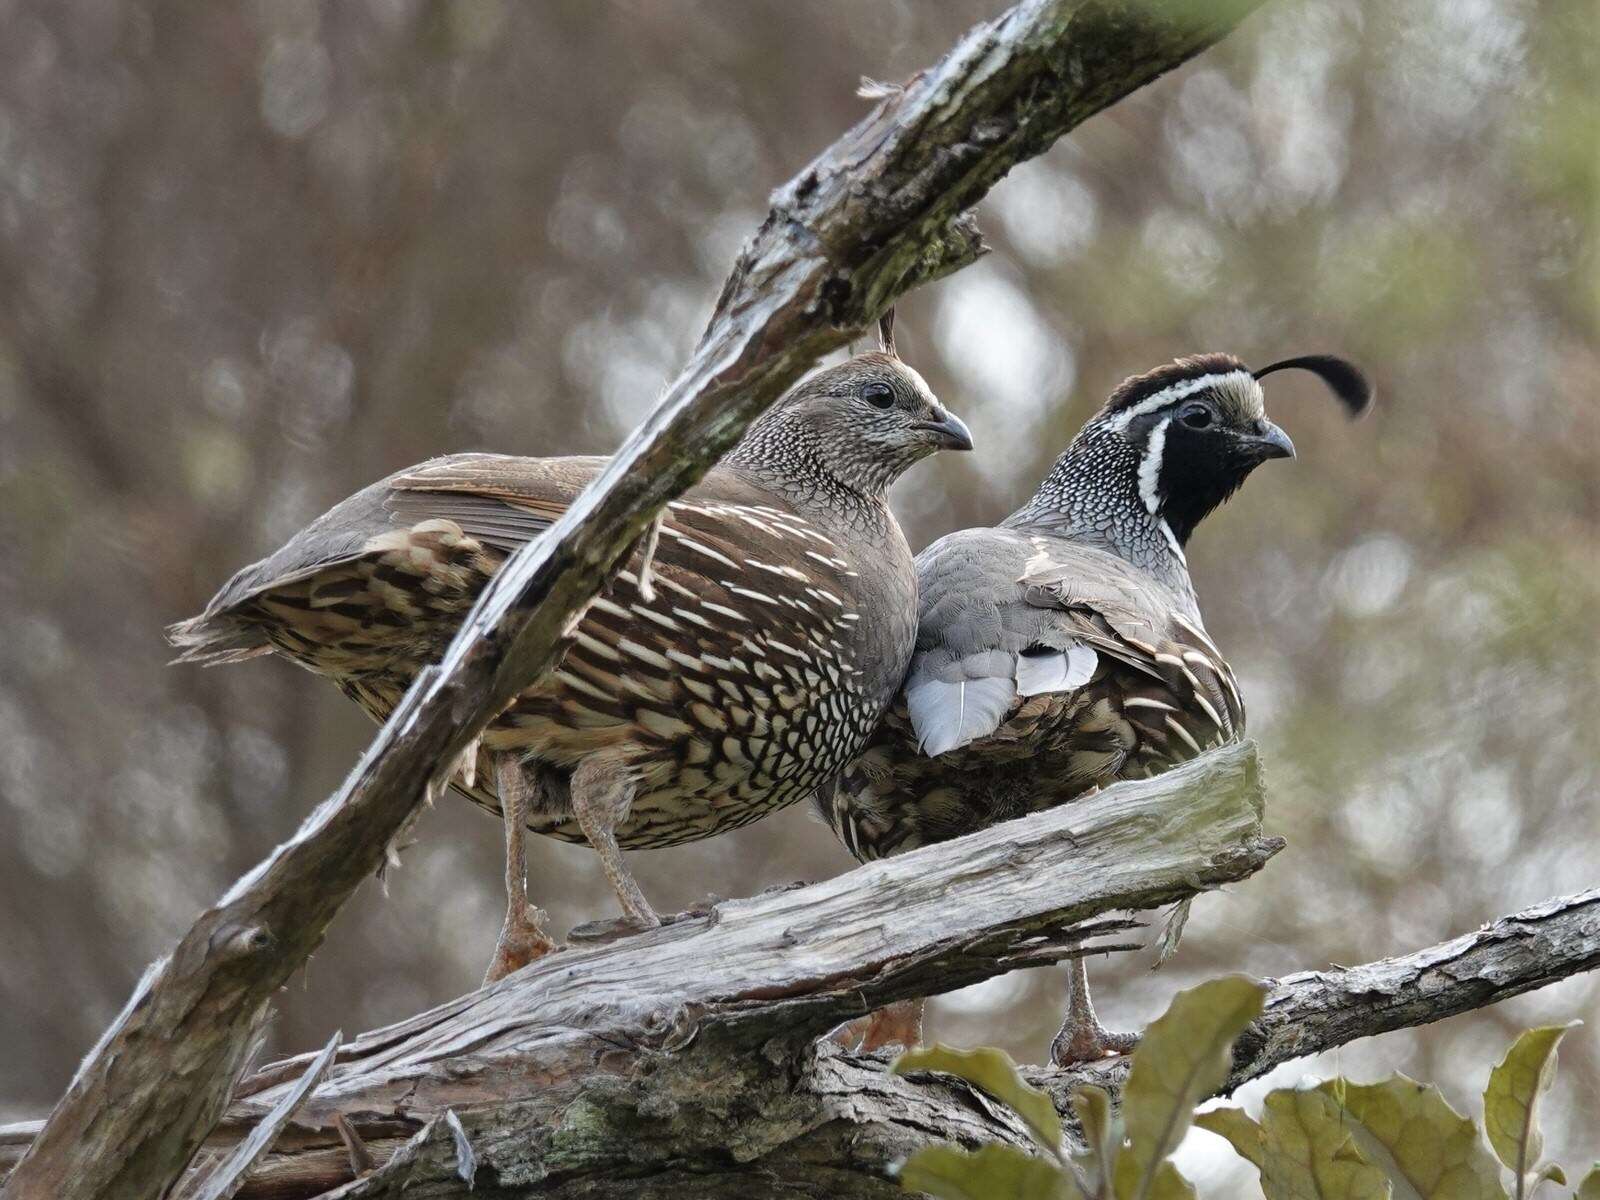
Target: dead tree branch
x: 1312, y: 1011
x: 694, y: 1041
x: 875, y: 214
x: 683, y: 1061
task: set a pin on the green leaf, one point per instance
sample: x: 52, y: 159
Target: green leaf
x: 1408, y: 1129
x: 1307, y: 1152
x: 995, y: 1172
x: 1182, y: 1059
x: 1511, y: 1101
x: 1551, y: 1173
x: 1242, y: 1133
x: 1165, y: 1184
x: 1589, y: 1189
x: 1092, y: 1106
x: 995, y: 1073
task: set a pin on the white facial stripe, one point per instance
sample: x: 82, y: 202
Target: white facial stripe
x: 1150, y: 467
x: 1242, y: 381
x: 1172, y: 542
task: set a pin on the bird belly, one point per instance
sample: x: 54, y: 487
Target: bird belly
x: 697, y: 770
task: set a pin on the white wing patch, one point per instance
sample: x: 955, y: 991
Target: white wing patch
x: 1057, y: 671
x: 950, y: 714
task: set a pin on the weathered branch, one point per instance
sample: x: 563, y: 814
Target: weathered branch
x: 722, y: 1006
x: 683, y: 1059
x: 1312, y: 1011
x: 872, y: 216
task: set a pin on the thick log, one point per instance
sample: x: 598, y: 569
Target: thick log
x: 687, y: 1044
x: 682, y: 1061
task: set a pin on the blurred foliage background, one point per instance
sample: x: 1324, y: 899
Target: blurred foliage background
x: 255, y: 255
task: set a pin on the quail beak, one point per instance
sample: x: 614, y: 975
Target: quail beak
x: 1270, y: 442
x: 951, y: 433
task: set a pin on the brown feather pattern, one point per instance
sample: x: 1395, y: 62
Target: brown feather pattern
x: 746, y: 681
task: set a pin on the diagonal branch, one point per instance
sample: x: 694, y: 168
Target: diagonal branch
x: 869, y: 218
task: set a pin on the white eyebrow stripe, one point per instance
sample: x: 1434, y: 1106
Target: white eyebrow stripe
x: 1176, y: 392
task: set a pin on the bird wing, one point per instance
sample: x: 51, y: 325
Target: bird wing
x: 1008, y: 616
x: 981, y: 648
x: 1175, y: 684
x: 500, y: 499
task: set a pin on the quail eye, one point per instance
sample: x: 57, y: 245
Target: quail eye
x: 879, y: 395
x: 1196, y: 416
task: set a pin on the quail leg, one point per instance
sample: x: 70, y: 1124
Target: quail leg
x: 522, y: 937
x: 897, y: 1024
x: 1082, y: 1038
x: 601, y: 794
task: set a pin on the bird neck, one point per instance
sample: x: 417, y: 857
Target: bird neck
x: 1092, y: 496
x: 785, y: 456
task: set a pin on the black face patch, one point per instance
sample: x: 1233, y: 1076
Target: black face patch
x: 1201, y: 468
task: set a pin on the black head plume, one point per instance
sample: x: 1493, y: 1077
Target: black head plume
x: 886, y: 333
x: 1343, y: 378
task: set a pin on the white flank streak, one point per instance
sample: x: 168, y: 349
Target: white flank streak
x: 781, y: 572
x: 661, y: 619
x: 1146, y: 702
x: 643, y: 653
x: 722, y: 611
x: 1197, y: 632
x: 1210, y: 712
x: 748, y: 593
x: 693, y: 618
x: 578, y: 684
x: 1184, y: 734
x: 698, y: 547
x: 826, y: 561
x: 1150, y: 469
x: 1172, y: 541
x: 744, y: 515
x: 596, y: 647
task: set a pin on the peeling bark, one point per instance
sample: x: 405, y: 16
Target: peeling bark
x: 684, y: 1061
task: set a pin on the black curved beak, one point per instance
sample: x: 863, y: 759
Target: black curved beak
x: 952, y: 432
x: 1270, y: 442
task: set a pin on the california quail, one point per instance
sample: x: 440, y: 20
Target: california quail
x: 1063, y: 649
x: 773, y: 626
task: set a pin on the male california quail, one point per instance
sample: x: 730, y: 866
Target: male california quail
x: 773, y: 627
x: 1064, y: 649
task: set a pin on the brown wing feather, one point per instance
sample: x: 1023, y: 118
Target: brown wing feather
x: 735, y: 690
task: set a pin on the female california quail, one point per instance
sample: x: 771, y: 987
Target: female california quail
x: 1064, y: 649
x: 772, y: 628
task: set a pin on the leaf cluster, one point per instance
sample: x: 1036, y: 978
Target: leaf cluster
x: 1397, y: 1139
